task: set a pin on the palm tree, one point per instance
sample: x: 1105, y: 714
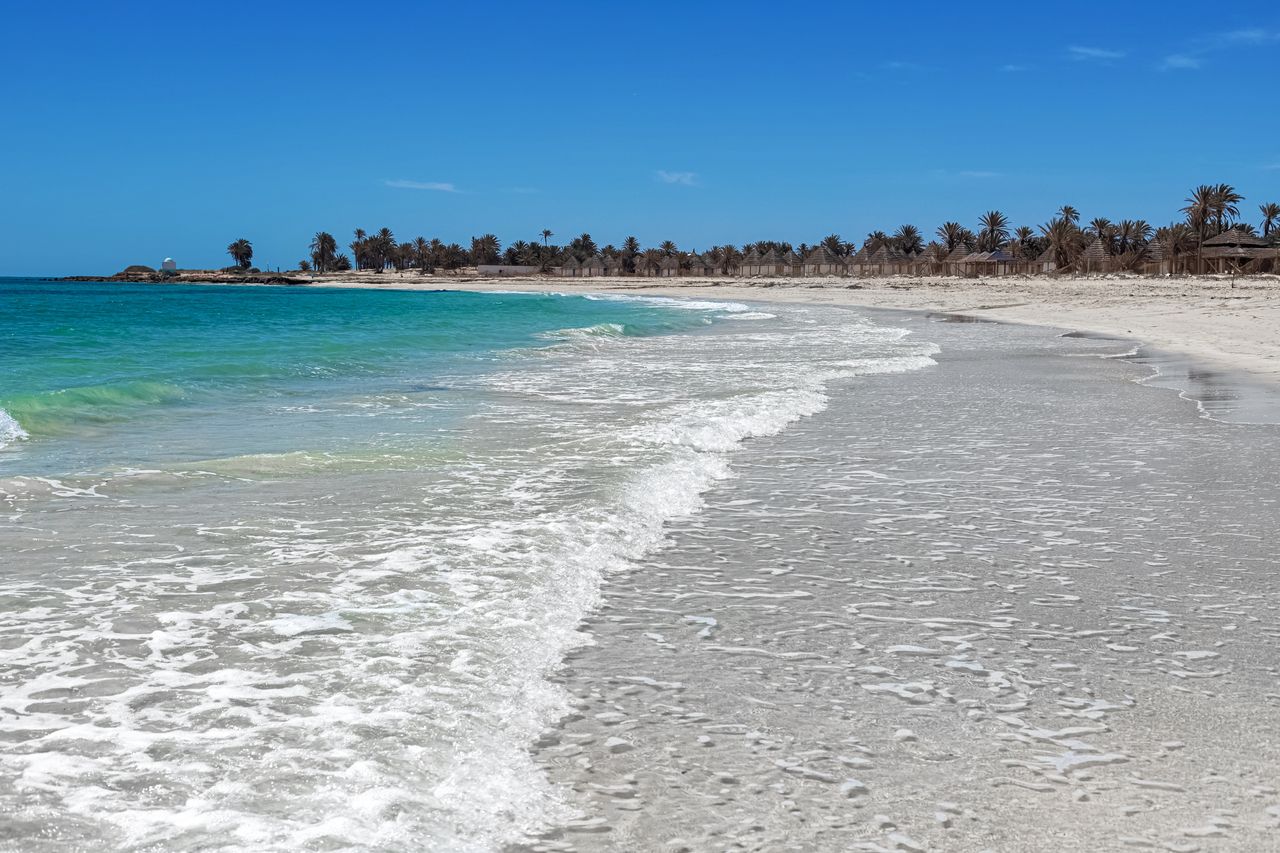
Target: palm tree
x: 1199, y: 211
x: 241, y: 251
x: 995, y: 231
x: 422, y: 255
x: 1024, y: 242
x: 834, y: 244
x: 952, y: 234
x: 384, y: 245
x: 1132, y: 234
x: 1065, y: 239
x: 1069, y: 213
x: 1225, y: 199
x: 547, y: 234
x: 1270, y: 217
x: 485, y: 249
x: 907, y: 239
x: 1102, y: 229
x: 323, y: 251
x: 359, y: 249
x: 582, y: 246
x: 1176, y: 239
x: 726, y: 256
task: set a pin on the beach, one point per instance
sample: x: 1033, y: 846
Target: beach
x: 758, y: 568
x: 1042, y: 622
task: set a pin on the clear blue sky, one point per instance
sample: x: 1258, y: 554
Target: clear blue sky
x: 136, y: 130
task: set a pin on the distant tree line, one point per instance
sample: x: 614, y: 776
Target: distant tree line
x: 1210, y: 210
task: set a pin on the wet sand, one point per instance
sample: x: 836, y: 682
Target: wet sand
x: 1016, y: 602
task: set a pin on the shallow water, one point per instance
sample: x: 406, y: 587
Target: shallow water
x: 289, y: 569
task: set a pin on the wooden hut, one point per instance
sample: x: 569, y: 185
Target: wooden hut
x: 793, y: 264
x: 750, y: 263
x: 644, y: 266
x: 570, y: 267
x: 771, y: 264
x: 593, y: 267
x: 1046, y: 262
x: 820, y: 261
x: 953, y: 264
x: 1154, y: 260
x: 706, y: 265
x: 669, y: 267
x: 933, y: 259
x: 1235, y: 251
x: 614, y: 265
x: 1097, y: 258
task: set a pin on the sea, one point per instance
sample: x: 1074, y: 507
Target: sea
x: 292, y: 568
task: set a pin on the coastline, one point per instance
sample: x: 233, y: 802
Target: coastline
x: 1215, y: 320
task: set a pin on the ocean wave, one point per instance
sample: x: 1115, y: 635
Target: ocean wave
x: 600, y: 330
x: 61, y: 411
x: 10, y: 429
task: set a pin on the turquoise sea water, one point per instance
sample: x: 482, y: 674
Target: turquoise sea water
x: 140, y: 373
x: 288, y: 569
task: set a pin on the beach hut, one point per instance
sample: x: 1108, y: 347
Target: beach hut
x: 613, y: 265
x: 570, y: 267
x: 1154, y: 261
x: 1235, y: 251
x: 771, y: 264
x: 953, y: 264
x: 793, y: 264
x: 593, y: 267
x: 933, y: 259
x: 820, y: 261
x: 1046, y: 262
x: 645, y: 266
x: 702, y: 265
x: 750, y: 263
x: 669, y: 267
x: 859, y: 262
x: 1096, y: 258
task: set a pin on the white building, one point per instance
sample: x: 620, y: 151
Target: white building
x: 169, y: 264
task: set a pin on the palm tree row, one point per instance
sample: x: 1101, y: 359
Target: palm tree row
x: 1210, y: 210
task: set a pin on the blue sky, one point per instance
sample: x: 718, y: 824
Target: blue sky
x: 137, y: 130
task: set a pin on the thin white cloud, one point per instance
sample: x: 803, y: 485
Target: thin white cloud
x: 1252, y: 35
x: 1010, y: 69
x: 434, y: 186
x: 1180, y: 62
x: 1094, y: 54
x: 687, y: 179
x: 978, y: 173
x: 1193, y: 57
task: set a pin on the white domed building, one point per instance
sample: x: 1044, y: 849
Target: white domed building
x: 169, y: 264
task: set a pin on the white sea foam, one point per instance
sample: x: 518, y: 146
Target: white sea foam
x: 10, y: 429
x: 671, y: 302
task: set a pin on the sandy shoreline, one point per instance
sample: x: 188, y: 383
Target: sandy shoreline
x: 1213, y: 319
x: 1009, y: 602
